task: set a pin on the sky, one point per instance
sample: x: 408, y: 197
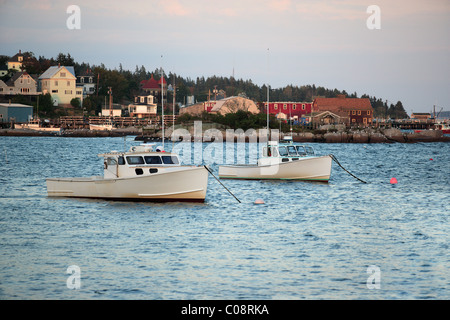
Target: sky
x: 399, y: 52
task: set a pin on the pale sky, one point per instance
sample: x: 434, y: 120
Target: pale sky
x: 326, y: 43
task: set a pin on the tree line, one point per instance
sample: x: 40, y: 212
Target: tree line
x: 125, y: 86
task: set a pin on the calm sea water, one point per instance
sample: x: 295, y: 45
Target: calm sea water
x: 308, y: 241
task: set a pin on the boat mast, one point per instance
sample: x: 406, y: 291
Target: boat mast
x: 162, y: 102
x: 267, y: 110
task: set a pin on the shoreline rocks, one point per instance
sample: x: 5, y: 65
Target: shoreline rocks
x: 367, y: 136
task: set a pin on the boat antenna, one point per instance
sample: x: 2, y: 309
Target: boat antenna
x: 267, y: 110
x: 173, y: 112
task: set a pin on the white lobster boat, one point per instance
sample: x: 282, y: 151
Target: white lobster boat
x: 141, y: 174
x: 285, y: 161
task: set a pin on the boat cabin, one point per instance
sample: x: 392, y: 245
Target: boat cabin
x: 287, y: 150
x: 138, y: 161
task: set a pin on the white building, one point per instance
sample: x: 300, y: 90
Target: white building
x: 143, y: 107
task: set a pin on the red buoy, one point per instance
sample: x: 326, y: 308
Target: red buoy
x: 393, y: 181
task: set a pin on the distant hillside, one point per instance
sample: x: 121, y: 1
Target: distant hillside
x: 444, y: 115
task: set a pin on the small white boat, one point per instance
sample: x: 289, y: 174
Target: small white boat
x: 37, y: 126
x: 141, y: 174
x: 285, y: 161
x: 101, y: 127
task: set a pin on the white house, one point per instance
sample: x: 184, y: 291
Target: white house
x: 143, y: 107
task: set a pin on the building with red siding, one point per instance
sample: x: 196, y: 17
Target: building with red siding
x: 288, y: 110
x: 352, y: 111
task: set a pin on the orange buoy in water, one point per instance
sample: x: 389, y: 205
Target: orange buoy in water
x: 259, y: 201
x: 393, y: 181
x: 431, y: 159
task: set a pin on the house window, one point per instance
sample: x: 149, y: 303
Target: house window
x: 365, y: 120
x: 68, y: 83
x: 90, y: 79
x: 56, y: 82
x: 275, y: 106
x: 285, y: 106
x: 63, y: 74
x: 368, y: 112
x: 68, y: 92
x: 294, y: 106
x: 25, y: 90
x: 54, y: 91
x: 359, y: 112
x: 353, y: 120
x: 303, y: 106
x: 79, y: 92
x: 353, y: 112
x: 82, y: 79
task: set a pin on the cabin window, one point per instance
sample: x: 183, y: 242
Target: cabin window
x: 153, y: 160
x: 153, y: 170
x: 121, y: 161
x: 292, y: 150
x: 111, y: 161
x: 133, y: 160
x: 309, y: 151
x: 139, y: 171
x: 285, y: 160
x: 169, y: 160
x: 301, y: 151
x: 283, y: 151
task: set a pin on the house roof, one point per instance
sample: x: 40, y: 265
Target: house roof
x: 16, y: 76
x: 152, y: 83
x: 15, y: 58
x: 50, y: 72
x: 341, y: 103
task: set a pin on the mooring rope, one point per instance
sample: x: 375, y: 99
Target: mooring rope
x: 221, y: 183
x: 336, y: 160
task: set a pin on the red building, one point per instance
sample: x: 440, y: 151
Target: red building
x: 288, y: 110
x: 352, y: 111
x: 153, y: 87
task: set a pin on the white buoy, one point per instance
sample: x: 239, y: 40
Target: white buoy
x: 259, y: 201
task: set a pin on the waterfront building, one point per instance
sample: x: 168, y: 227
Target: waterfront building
x: 15, y: 112
x: 60, y: 82
x: 354, y: 111
x: 288, y: 110
x: 143, y: 107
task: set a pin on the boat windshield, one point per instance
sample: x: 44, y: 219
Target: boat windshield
x: 283, y: 151
x: 292, y: 150
x: 301, y: 151
x: 133, y: 160
x: 170, y: 159
x: 153, y: 160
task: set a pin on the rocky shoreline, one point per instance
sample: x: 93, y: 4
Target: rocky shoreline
x: 365, y: 136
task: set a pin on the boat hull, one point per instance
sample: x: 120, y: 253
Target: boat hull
x: 186, y: 184
x: 100, y: 127
x: 309, y: 169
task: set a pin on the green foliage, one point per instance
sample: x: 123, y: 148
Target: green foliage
x: 75, y: 102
